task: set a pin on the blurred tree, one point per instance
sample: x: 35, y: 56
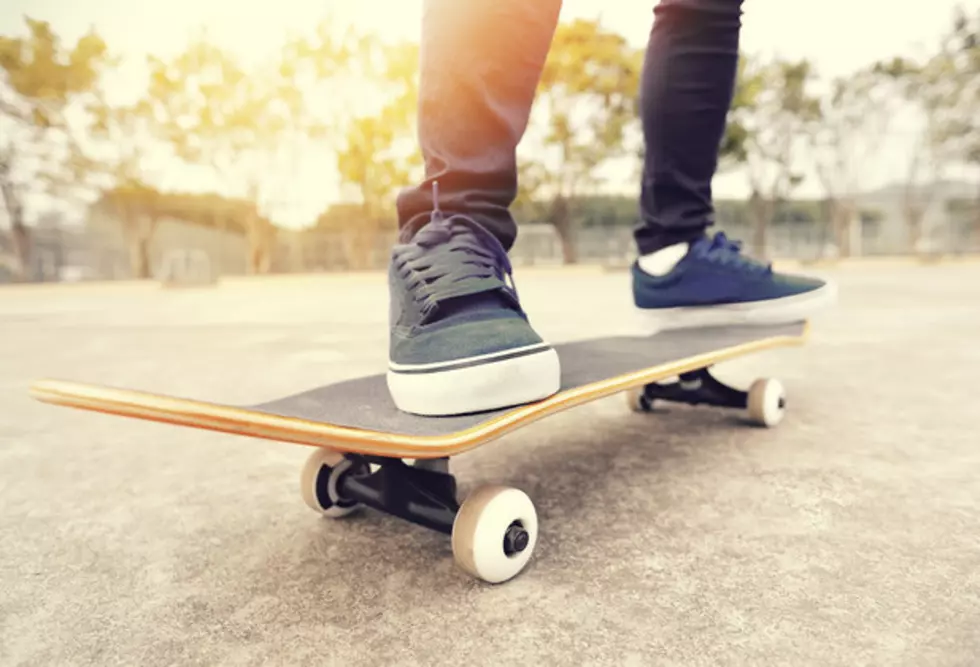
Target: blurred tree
x: 853, y: 118
x: 923, y: 85
x: 945, y: 87
x: 776, y: 113
x: 953, y: 78
x: 530, y: 205
x: 217, y: 113
x: 734, y: 144
x: 143, y: 207
x: 588, y: 93
x: 732, y: 154
x: 378, y: 154
x: 907, y: 79
x: 46, y: 87
x: 138, y: 206
x: 126, y: 137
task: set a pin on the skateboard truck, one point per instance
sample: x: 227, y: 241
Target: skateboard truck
x: 419, y: 494
x: 765, y: 400
x: 423, y: 494
x: 493, y: 532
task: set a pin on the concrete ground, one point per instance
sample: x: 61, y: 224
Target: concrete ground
x: 850, y: 535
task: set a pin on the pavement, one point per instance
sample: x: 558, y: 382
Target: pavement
x: 849, y: 535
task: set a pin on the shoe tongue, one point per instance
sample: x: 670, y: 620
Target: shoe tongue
x: 434, y: 234
x: 719, y: 242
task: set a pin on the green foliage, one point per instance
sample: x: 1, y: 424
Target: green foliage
x: 588, y: 89
x: 379, y: 155
x: 734, y: 143
x: 339, y: 217
x: 140, y: 207
x: 208, y: 109
x: 216, y: 112
x: 777, y: 110
x: 609, y: 211
x: 369, y: 159
x: 853, y: 118
x: 41, y: 81
x: 42, y: 74
x: 239, y: 122
x: 953, y: 79
x: 135, y: 199
x: 946, y: 89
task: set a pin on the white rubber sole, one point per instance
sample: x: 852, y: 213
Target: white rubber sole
x: 480, y: 383
x: 774, y: 311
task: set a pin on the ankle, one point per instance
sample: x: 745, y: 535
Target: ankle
x: 662, y: 261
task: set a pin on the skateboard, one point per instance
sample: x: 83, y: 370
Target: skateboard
x: 368, y: 453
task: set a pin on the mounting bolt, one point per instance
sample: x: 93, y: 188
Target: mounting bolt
x: 515, y: 539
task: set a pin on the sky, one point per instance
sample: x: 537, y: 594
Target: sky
x: 839, y: 36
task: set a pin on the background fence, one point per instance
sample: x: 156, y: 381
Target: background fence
x: 101, y: 253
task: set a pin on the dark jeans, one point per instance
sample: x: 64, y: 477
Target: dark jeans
x: 481, y: 61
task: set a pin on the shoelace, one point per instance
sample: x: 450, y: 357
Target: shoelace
x: 728, y: 252
x: 453, y: 257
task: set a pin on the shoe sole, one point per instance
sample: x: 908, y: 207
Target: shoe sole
x: 476, y: 384
x: 761, y: 313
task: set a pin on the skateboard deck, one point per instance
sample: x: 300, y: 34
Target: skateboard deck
x: 358, y: 416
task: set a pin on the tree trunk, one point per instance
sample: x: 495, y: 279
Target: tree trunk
x: 139, y: 257
x: 561, y: 220
x: 20, y: 236
x: 976, y: 223
x: 259, y: 246
x: 259, y: 261
x: 357, y: 243
x: 842, y: 228
x: 360, y: 238
x: 253, y: 242
x: 139, y: 231
x: 913, y: 219
x: 569, y: 253
x: 762, y: 214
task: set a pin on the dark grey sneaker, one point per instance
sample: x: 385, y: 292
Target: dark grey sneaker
x: 460, y: 341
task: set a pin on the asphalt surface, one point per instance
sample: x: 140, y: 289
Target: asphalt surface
x: 849, y: 535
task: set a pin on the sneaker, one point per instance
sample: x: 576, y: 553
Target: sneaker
x: 460, y: 341
x: 711, y: 283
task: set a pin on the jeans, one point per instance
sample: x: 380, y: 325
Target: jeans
x: 480, y: 64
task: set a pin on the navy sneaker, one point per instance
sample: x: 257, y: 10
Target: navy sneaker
x: 460, y: 341
x: 714, y: 284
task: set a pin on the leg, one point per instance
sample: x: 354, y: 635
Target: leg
x: 683, y: 278
x: 460, y: 340
x: 688, y: 81
x: 481, y: 63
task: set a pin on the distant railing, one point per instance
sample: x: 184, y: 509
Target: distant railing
x: 84, y: 255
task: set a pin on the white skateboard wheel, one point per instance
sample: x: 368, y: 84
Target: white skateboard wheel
x: 324, y: 465
x: 766, y: 403
x: 494, y: 533
x: 637, y: 401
